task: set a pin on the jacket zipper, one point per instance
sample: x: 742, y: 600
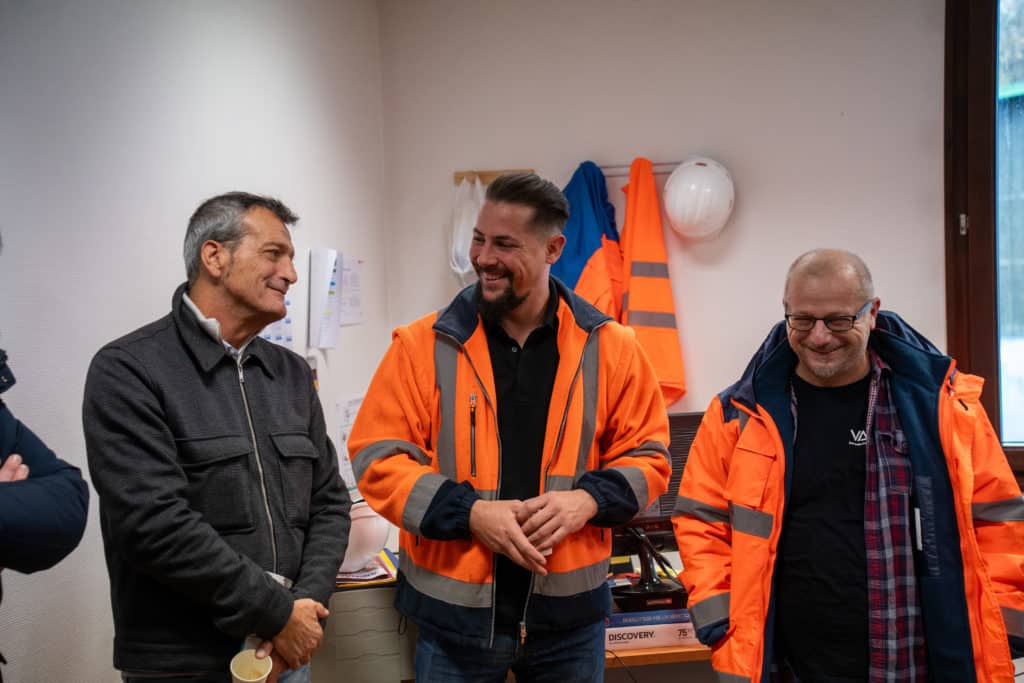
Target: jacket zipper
x: 547, y: 468
x: 494, y: 413
x: 472, y: 434
x: 558, y: 441
x: 259, y: 464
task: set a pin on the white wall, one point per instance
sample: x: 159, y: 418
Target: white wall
x: 828, y: 114
x: 116, y: 120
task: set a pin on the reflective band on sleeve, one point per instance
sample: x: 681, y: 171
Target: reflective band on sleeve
x: 382, y: 449
x: 1014, y: 620
x: 702, y: 511
x: 637, y: 482
x: 750, y: 521
x: 710, y: 610
x: 416, y: 505
x: 724, y: 677
x: 1009, y: 510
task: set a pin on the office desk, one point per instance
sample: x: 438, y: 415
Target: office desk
x: 362, y: 643
x: 656, y: 655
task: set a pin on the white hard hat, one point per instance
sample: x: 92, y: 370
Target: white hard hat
x: 698, y: 197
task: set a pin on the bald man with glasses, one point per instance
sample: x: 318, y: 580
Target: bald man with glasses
x: 847, y: 512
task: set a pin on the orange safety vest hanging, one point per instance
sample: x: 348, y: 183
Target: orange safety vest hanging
x: 647, y: 303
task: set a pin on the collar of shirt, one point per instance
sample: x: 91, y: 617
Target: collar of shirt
x: 212, y: 327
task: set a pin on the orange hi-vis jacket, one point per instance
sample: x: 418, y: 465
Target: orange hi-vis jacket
x: 732, y: 503
x: 425, y: 447
x: 647, y: 303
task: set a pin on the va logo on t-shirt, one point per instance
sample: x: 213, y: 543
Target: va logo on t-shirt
x: 858, y: 437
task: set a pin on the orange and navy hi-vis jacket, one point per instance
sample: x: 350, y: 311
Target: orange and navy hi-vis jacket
x: 647, y: 303
x: 425, y: 447
x: 591, y: 261
x: 732, y: 501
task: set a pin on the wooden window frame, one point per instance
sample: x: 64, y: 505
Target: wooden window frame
x: 970, y: 183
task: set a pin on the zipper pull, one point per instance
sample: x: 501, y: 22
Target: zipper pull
x: 241, y: 375
x: 472, y: 435
x: 522, y: 632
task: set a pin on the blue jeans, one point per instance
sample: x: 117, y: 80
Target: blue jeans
x: 575, y: 656
x: 300, y: 675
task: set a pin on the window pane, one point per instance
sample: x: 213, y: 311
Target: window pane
x: 1010, y: 217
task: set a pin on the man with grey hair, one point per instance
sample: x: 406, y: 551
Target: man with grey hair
x: 224, y: 519
x: 847, y: 512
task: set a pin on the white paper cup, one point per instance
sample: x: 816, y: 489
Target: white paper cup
x: 245, y: 668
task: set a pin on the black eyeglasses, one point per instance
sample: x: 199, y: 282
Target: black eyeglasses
x: 836, y: 323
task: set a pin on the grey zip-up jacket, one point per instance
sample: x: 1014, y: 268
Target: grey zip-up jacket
x: 210, y: 472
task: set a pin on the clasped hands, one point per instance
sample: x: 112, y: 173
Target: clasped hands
x: 526, y: 531
x: 293, y: 647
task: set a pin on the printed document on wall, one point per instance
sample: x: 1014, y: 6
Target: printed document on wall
x: 351, y: 290
x: 346, y: 412
x: 324, y: 298
x: 282, y: 332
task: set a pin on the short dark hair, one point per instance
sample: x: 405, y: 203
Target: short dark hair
x: 550, y: 208
x: 220, y: 219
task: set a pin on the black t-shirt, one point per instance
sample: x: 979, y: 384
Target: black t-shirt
x: 523, y: 380
x: 821, y: 584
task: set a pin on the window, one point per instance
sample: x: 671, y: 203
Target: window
x: 985, y: 205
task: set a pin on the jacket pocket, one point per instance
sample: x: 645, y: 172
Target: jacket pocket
x: 748, y: 476
x: 217, y: 469
x: 298, y: 456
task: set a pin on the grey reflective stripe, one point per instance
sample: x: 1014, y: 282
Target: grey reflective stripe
x: 749, y: 521
x: 724, y: 677
x: 382, y: 449
x: 651, y: 319
x: 563, y: 584
x: 702, y: 511
x: 445, y: 589
x: 710, y: 610
x: 416, y: 504
x: 647, y: 448
x: 649, y: 269
x: 1009, y: 510
x: 590, y: 377
x: 487, y: 494
x: 446, y: 356
x: 1014, y: 620
x: 559, y: 483
x: 637, y: 482
x: 625, y: 301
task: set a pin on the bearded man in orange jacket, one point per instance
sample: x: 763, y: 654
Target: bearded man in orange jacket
x: 847, y: 512
x: 504, y: 435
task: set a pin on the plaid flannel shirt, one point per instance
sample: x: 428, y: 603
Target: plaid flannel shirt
x: 895, y: 627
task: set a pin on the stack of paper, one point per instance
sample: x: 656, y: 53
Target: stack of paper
x: 382, y: 570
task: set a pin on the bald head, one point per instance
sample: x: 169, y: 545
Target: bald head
x: 831, y: 264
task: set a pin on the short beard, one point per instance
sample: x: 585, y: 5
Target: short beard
x: 495, y: 311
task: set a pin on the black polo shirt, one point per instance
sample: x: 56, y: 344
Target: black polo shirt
x: 523, y: 380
